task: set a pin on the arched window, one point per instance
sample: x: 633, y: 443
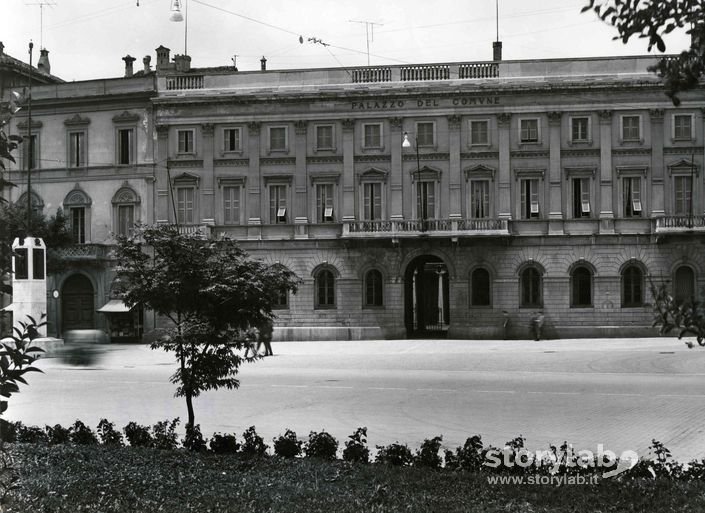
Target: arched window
x: 581, y: 287
x: 632, y: 286
x: 125, y: 210
x: 480, y: 288
x: 325, y: 289
x: 684, y: 284
x: 373, y: 288
x: 77, y: 205
x: 531, y: 288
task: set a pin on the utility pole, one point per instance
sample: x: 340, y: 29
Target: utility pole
x: 369, y: 34
x: 41, y: 5
x: 30, y: 146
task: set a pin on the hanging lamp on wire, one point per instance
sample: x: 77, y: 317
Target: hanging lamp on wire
x: 176, y: 11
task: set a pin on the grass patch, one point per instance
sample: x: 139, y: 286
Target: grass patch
x: 102, y: 479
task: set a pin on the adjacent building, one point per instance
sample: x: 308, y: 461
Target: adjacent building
x: 426, y: 200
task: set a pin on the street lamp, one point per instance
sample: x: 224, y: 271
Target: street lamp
x: 178, y: 17
x: 407, y: 144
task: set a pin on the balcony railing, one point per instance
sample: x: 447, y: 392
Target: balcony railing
x: 431, y: 227
x: 201, y: 230
x: 83, y: 252
x: 181, y: 82
x: 675, y: 224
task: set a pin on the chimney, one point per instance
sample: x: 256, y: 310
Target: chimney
x: 263, y: 63
x: 497, y: 51
x: 128, y: 65
x: 147, y: 68
x: 182, y: 62
x: 43, y: 63
x: 162, y: 58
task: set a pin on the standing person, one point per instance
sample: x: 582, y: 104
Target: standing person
x: 265, y: 337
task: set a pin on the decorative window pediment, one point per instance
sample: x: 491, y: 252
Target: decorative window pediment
x: 479, y: 171
x: 229, y: 181
x: 77, y: 121
x: 186, y: 179
x: 373, y: 174
x: 278, y: 179
x: 22, y: 126
x: 126, y: 117
x: 684, y: 167
x: 126, y: 195
x: 426, y: 173
x: 325, y: 177
x: 77, y: 198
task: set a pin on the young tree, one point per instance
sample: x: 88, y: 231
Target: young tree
x: 213, y: 294
x: 687, y: 317
x: 653, y: 19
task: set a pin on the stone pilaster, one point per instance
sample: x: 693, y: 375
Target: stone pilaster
x: 396, y: 181
x: 606, y: 173
x: 164, y: 211
x: 555, y: 199
x: 207, y: 188
x: 456, y: 203
x: 254, y: 179
x: 504, y: 120
x: 655, y: 178
x: 300, y: 192
x: 348, y: 170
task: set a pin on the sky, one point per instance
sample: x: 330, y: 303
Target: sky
x: 87, y: 39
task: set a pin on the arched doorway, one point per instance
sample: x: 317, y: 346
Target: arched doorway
x: 426, y: 298
x: 77, y: 305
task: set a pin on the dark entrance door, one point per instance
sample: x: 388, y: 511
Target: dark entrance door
x: 77, y: 306
x: 426, y: 297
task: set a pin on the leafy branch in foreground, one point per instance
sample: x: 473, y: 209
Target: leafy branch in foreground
x: 653, y: 20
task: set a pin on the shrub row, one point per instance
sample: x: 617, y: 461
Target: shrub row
x: 472, y: 456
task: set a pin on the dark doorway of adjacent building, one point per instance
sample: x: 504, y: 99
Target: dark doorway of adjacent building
x: 426, y: 298
x: 77, y: 304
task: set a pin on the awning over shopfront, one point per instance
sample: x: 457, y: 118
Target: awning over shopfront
x: 8, y: 308
x: 114, y: 306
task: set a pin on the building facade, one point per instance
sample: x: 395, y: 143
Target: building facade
x: 430, y: 200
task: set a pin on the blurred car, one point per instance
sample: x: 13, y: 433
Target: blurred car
x: 83, y: 347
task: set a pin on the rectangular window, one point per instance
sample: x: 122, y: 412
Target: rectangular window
x: 479, y: 199
x: 324, y: 137
x: 683, y: 190
x: 579, y: 129
x: 277, y: 204
x: 31, y: 149
x: 479, y: 133
x: 231, y: 204
x: 372, y: 135
x: 126, y: 219
x: 231, y: 139
x: 529, y: 130
x: 631, y: 128
x: 425, y: 134
x: 324, y: 203
x: 185, y: 141
x: 277, y: 138
x: 78, y: 225
x: 372, y: 201
x: 530, y: 198
x: 77, y: 149
x: 125, y: 140
x: 581, y: 197
x: 21, y: 264
x: 184, y: 205
x: 632, y: 197
x: 683, y: 127
x: 426, y: 200
x: 37, y: 264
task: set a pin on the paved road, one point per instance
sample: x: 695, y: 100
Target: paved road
x: 617, y: 392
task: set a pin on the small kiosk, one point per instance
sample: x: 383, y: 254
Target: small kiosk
x: 29, y: 284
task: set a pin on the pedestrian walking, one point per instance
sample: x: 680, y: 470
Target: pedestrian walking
x: 265, y: 337
x: 537, y: 325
